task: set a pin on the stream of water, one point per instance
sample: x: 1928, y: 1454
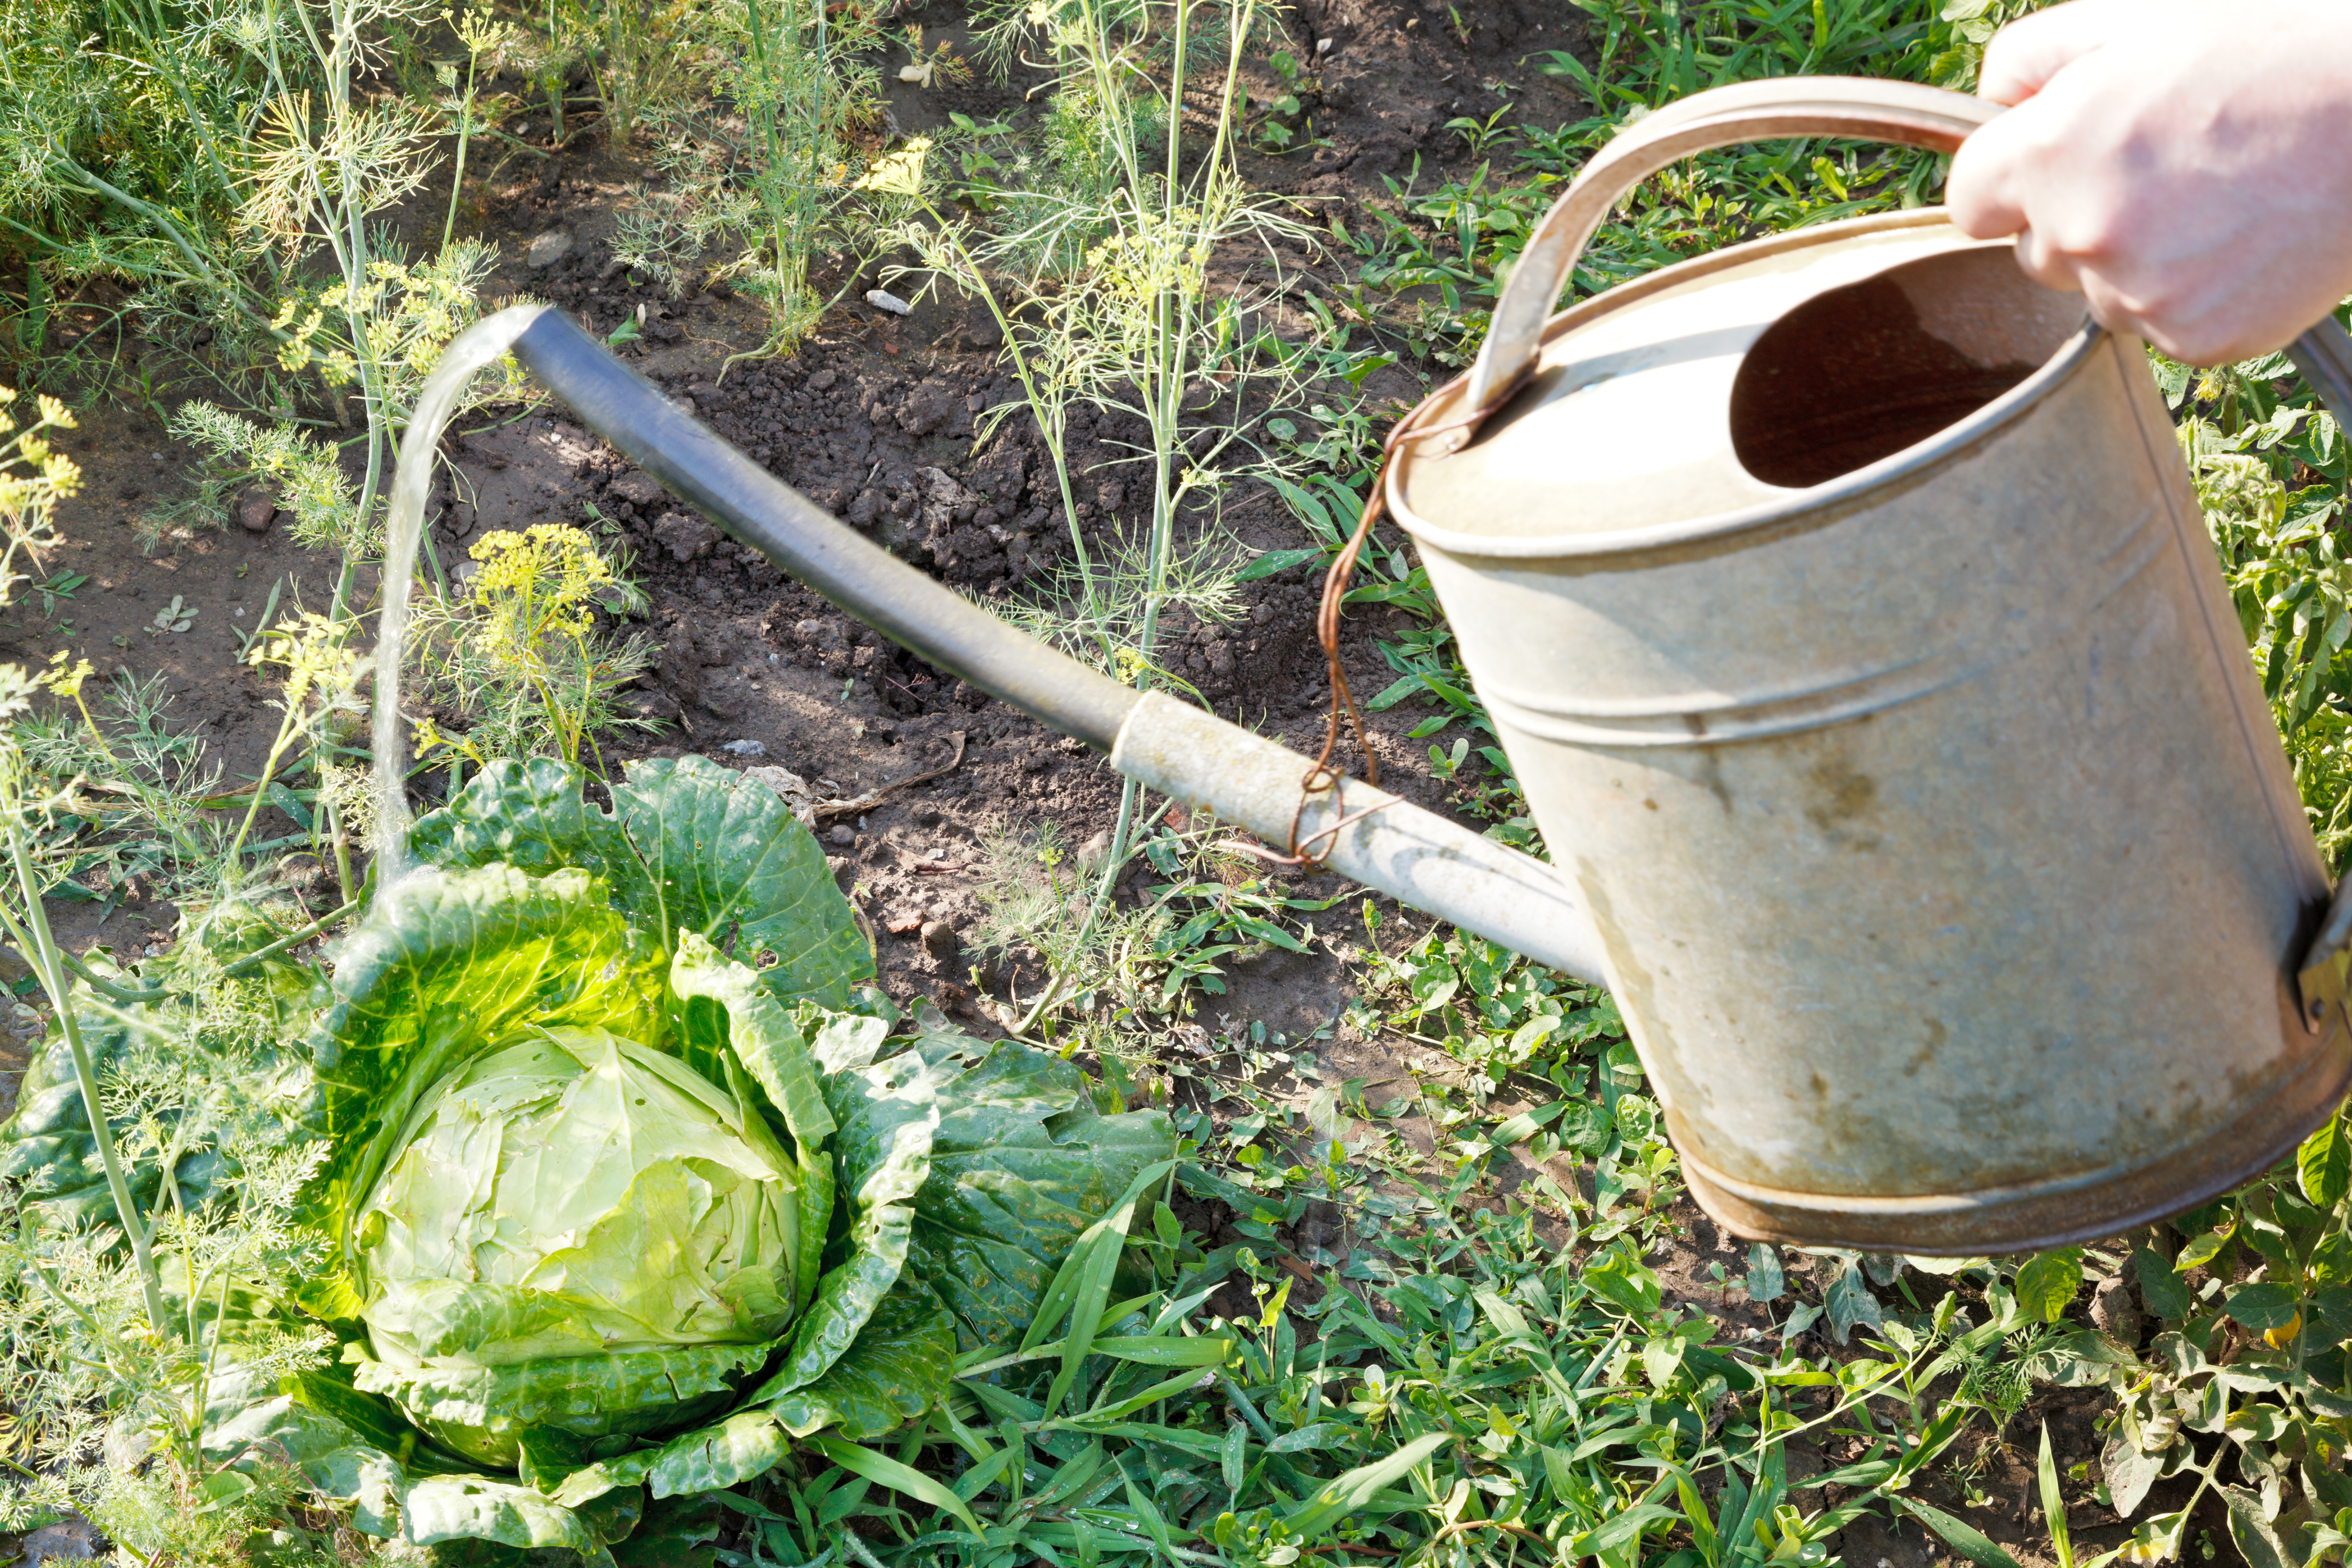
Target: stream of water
x: 469, y: 351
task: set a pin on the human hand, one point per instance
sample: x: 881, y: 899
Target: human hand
x: 2186, y: 165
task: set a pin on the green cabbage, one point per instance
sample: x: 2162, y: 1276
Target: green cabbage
x: 577, y: 1194
x: 625, y: 1185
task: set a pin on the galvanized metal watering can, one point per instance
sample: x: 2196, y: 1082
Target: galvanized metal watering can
x: 1844, y: 608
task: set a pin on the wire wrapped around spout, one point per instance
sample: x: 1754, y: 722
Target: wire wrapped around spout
x: 1416, y: 856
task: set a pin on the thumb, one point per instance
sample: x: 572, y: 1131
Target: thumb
x: 2025, y: 56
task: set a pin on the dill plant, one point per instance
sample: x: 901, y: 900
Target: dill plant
x: 1095, y: 266
x: 114, y: 1298
x: 43, y: 476
x: 233, y: 167
x: 752, y: 185
x: 519, y: 657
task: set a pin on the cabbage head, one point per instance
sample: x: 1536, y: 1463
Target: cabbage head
x: 577, y: 1194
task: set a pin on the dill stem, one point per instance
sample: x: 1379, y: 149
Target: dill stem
x: 44, y: 952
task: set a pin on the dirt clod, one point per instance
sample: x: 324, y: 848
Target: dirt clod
x: 685, y: 536
x: 940, y: 939
x: 2115, y: 1312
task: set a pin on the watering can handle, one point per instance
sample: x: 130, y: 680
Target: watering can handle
x: 1855, y: 107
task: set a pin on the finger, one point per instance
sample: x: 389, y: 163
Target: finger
x: 2111, y: 310
x: 2025, y: 56
x: 1985, y: 190
x: 2050, y: 267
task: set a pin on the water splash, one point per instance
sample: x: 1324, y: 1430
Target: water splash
x: 469, y: 351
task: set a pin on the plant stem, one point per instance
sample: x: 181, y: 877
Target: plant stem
x: 46, y: 954
x: 342, y: 841
x: 464, y: 131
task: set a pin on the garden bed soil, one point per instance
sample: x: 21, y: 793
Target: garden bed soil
x: 873, y: 418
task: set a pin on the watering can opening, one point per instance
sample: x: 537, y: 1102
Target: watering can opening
x: 1863, y: 370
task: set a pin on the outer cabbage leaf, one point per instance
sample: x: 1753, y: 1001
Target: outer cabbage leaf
x: 350, y: 1448
x: 886, y: 1113
x: 446, y: 966
x: 587, y: 1395
x: 902, y: 1362
x: 529, y: 815
x: 721, y: 1012
x: 1022, y: 1162
x: 899, y: 1366
x: 688, y: 846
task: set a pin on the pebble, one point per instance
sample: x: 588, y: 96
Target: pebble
x: 547, y: 249
x: 843, y: 834
x: 745, y: 749
x: 939, y: 939
x: 256, y: 509
x: 883, y: 299
x: 70, y: 1540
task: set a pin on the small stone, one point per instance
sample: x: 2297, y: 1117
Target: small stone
x: 823, y: 380
x: 744, y: 749
x: 548, y: 248
x: 256, y: 508
x: 883, y: 299
x: 940, y: 939
x: 843, y: 834
x: 69, y: 1541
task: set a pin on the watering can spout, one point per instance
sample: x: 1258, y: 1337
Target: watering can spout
x: 1416, y: 856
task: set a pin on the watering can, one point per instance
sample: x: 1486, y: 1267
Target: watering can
x: 1842, y: 603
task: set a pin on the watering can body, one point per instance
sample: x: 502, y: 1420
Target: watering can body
x: 1844, y: 608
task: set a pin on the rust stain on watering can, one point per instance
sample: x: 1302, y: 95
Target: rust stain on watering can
x: 1845, y: 610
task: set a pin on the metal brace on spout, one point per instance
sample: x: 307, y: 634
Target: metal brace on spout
x: 2328, y: 965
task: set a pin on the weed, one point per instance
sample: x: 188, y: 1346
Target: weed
x: 770, y: 179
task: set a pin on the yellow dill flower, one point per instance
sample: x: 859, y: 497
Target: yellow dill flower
x: 900, y: 174
x: 66, y: 679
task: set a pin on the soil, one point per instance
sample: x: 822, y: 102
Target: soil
x: 873, y: 418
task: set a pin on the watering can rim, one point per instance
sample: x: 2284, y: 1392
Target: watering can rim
x: 1817, y: 504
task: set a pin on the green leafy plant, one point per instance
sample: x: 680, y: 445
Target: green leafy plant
x: 2252, y: 1345
x: 620, y: 1182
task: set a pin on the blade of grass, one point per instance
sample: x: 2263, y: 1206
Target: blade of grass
x: 884, y: 1471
